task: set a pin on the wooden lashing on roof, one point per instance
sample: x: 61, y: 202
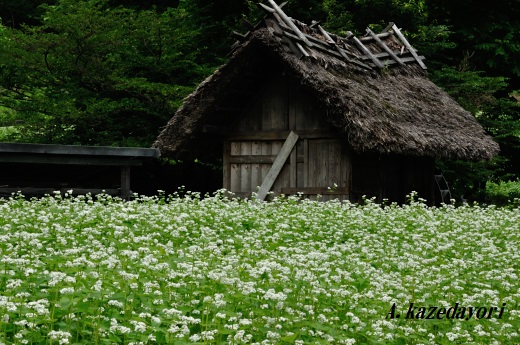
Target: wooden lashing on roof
x: 408, y: 46
x: 385, y: 47
x: 331, y: 41
x: 288, y: 21
x: 365, y: 50
x: 304, y: 40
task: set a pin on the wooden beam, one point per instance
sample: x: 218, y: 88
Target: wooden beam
x: 267, y: 8
x: 388, y: 27
x: 288, y: 21
x: 31, y: 191
x: 404, y: 60
x: 273, y: 25
x: 296, y: 51
x: 304, y: 52
x: 241, y: 37
x: 315, y: 191
x: 70, y: 160
x: 396, y: 30
x: 270, y: 9
x: 252, y: 159
x: 331, y: 41
x: 385, y: 47
x: 52, y: 149
x: 370, y: 38
x: 321, y: 45
x: 281, y: 135
x: 365, y: 50
x: 278, y: 164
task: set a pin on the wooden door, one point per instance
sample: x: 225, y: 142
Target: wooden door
x: 314, y: 166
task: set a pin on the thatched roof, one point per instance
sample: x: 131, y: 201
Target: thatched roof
x: 394, y: 109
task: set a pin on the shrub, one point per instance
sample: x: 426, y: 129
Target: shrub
x: 502, y: 193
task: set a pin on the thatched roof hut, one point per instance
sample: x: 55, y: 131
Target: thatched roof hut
x: 371, y: 92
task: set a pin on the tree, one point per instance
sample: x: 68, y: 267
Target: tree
x: 92, y: 74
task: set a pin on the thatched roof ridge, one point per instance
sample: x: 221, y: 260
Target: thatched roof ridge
x: 397, y: 110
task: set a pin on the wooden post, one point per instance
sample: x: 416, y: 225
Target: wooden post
x: 277, y: 166
x: 125, y: 182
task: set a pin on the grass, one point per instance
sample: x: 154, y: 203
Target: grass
x: 181, y: 270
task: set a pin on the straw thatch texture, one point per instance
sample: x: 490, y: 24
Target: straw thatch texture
x: 395, y: 110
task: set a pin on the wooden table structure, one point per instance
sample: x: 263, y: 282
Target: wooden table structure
x: 39, y: 169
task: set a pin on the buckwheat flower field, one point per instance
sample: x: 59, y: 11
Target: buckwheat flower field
x: 190, y: 270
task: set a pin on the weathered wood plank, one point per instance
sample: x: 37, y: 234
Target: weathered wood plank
x: 273, y: 25
x: 338, y: 161
x: 315, y: 191
x: 32, y: 191
x: 52, y: 149
x: 385, y: 47
x: 245, y: 169
x: 267, y: 8
x: 365, y: 50
x: 277, y: 165
x: 70, y: 159
x: 403, y: 39
x: 320, y: 45
x: 235, y: 148
x: 292, y: 166
x: 276, y: 146
x: 403, y: 59
x: 306, y: 162
x: 226, y: 166
x: 235, y: 178
x: 266, y: 150
x: 281, y: 135
x: 331, y: 41
x: 304, y: 52
x: 252, y: 159
x: 370, y: 38
x: 256, y: 167
x: 282, y: 181
x: 241, y: 37
x: 288, y: 21
x: 274, y: 105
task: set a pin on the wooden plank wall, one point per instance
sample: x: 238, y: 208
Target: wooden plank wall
x: 319, y: 158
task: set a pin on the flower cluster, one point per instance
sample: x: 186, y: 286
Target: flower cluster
x: 216, y: 270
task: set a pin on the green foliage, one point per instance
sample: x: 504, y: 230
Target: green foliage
x: 467, y: 180
x: 354, y: 16
x: 502, y: 193
x: 472, y: 89
x: 92, y: 74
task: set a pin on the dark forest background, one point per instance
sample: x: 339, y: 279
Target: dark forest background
x: 113, y: 72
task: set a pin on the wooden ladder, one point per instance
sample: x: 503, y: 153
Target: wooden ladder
x: 444, y: 189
